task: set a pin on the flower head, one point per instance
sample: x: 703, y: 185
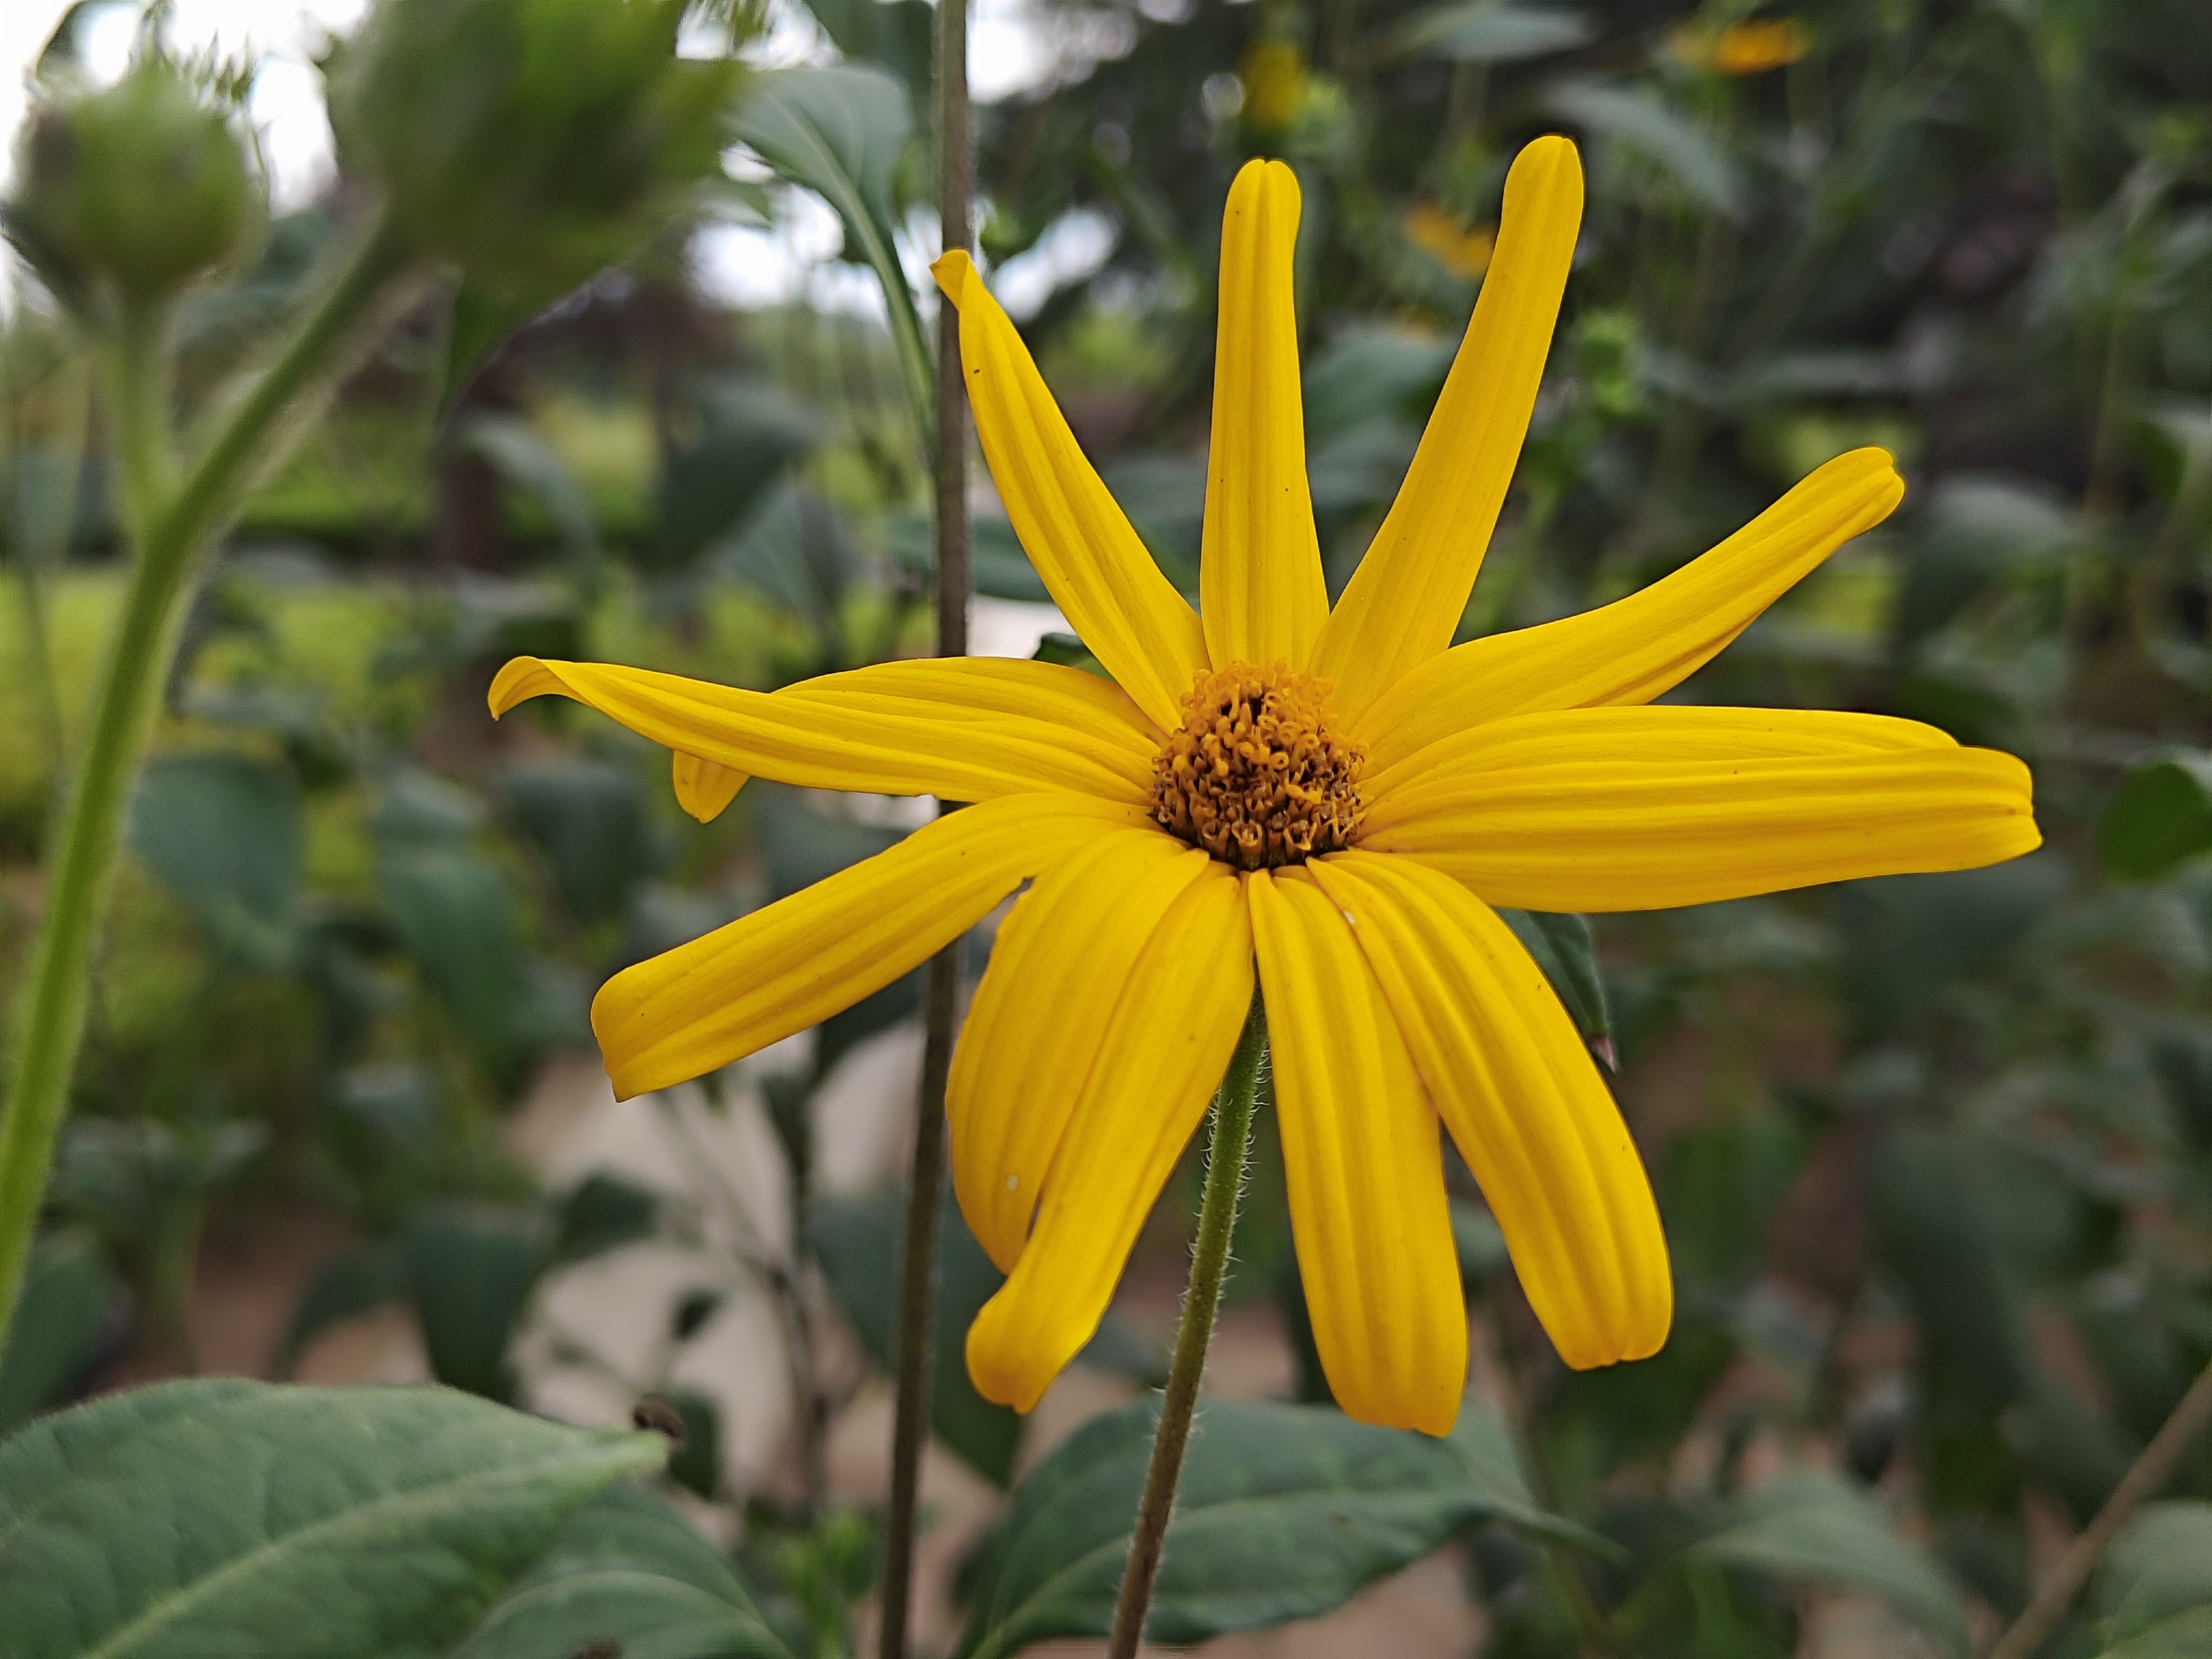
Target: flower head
x: 1326, y: 801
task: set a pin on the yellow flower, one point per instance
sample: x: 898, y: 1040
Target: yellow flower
x: 1751, y: 48
x: 1464, y: 253
x: 1331, y: 798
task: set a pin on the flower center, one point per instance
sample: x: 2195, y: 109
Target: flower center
x: 1254, y: 774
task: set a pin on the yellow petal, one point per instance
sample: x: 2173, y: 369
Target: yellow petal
x: 1655, y: 731
x: 1364, y: 1162
x: 1259, y: 573
x: 795, y: 963
x: 1648, y: 836
x: 1636, y: 648
x: 1129, y: 615
x: 1517, y: 1090
x: 963, y: 729
x: 703, y: 789
x: 1164, y: 1053
x: 1058, y: 967
x: 1404, y: 601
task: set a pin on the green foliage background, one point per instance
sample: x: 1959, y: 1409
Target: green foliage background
x: 1935, y: 1153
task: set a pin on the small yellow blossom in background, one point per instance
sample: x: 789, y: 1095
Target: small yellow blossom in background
x: 1464, y: 253
x: 1740, y: 49
x: 1274, y: 77
x: 1326, y: 802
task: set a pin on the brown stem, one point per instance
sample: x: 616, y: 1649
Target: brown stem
x: 956, y: 162
x: 2057, y: 1592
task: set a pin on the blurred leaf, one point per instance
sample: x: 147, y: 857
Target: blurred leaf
x: 999, y: 563
x: 457, y: 915
x: 2153, y: 1592
x: 524, y: 461
x: 589, y: 820
x: 351, y: 1283
x: 482, y: 318
x: 1641, y: 123
x: 1068, y: 652
x: 602, y: 1213
x: 68, y: 1291
x: 795, y: 552
x: 1907, y: 938
x: 1975, y: 530
x: 1370, y: 371
x: 1477, y: 1240
x: 1565, y: 950
x: 1487, y: 31
x: 1814, y: 1528
x: 1285, y: 1511
x: 223, y: 832
x: 626, y: 1570
x: 750, y: 434
x: 839, y: 130
x: 471, y: 1273
x: 803, y: 845
x: 696, y: 1464
x: 2158, y: 818
x: 896, y: 34
x: 878, y: 1011
x: 856, y: 1239
x: 1718, y: 1187
x: 261, y: 1521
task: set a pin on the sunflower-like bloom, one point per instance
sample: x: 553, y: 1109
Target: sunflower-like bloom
x: 1330, y: 800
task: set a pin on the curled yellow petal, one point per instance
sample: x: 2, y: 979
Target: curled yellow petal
x: 1637, y: 648
x: 1405, y: 599
x: 791, y: 965
x: 1628, y: 835
x: 1160, y: 1061
x: 1058, y: 967
x: 702, y: 787
x: 1097, y: 571
x: 963, y: 729
x: 1653, y: 732
x: 1364, y: 1162
x: 1517, y: 1090
x: 1260, y: 593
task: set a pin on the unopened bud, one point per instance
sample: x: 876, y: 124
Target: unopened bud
x: 530, y: 141
x: 144, y: 184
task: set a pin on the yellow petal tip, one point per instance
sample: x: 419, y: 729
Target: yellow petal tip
x: 523, y: 678
x: 954, y: 270
x: 703, y: 788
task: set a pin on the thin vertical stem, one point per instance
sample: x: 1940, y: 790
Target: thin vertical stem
x: 2147, y: 1475
x: 956, y: 180
x: 1209, y: 1266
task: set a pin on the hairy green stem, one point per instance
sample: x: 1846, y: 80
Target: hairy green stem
x: 2142, y: 1480
x: 1209, y: 1266
x: 168, y: 524
x: 956, y: 188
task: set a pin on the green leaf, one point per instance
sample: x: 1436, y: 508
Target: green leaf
x: 458, y: 917
x: 471, y: 1273
x: 602, y: 1213
x: 839, y: 130
x: 482, y: 318
x: 750, y: 434
x: 1485, y: 32
x: 2160, y: 816
x: 265, y: 1521
x: 222, y: 831
x: 856, y: 1240
x: 2153, y: 1592
x: 1816, y: 1529
x: 518, y: 453
x: 351, y: 1284
x: 1636, y: 121
x: 1285, y: 1512
x: 626, y: 1568
x: 68, y: 1288
x: 589, y: 820
x: 1565, y: 950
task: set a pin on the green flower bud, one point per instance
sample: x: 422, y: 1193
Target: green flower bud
x: 530, y: 141
x: 144, y: 184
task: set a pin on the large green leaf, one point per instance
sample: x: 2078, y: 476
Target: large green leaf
x: 2160, y: 816
x: 856, y: 1240
x: 222, y: 831
x: 2154, y: 1594
x: 262, y: 1521
x: 839, y: 129
x: 627, y: 1569
x: 1285, y: 1512
x: 1814, y: 1528
x: 456, y: 914
x: 589, y: 820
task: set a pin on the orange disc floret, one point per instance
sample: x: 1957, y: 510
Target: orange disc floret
x: 1254, y: 776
